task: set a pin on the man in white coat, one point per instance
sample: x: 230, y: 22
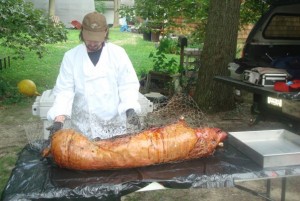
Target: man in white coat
x: 97, y: 86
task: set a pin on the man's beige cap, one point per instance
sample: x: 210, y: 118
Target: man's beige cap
x: 94, y: 27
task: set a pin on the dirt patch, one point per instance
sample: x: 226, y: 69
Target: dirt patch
x: 12, y: 132
x: 13, y: 138
x: 220, y: 194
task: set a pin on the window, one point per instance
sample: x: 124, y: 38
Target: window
x: 282, y: 26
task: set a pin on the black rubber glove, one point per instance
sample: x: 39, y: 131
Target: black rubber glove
x: 56, y: 126
x: 133, y: 118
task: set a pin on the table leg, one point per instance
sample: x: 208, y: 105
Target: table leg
x: 283, y: 188
x: 253, y: 192
x: 268, y: 186
x: 268, y: 189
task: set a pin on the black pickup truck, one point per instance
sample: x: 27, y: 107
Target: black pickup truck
x: 273, y: 42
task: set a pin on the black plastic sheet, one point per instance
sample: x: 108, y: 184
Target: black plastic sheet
x: 34, y: 178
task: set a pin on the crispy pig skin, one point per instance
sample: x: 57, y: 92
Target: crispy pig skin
x: 171, y: 143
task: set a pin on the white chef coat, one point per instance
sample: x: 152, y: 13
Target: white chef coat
x: 96, y: 97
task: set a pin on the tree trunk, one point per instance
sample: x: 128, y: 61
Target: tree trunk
x: 52, y: 7
x: 219, y: 49
x: 116, y: 12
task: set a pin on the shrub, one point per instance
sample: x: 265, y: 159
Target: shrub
x: 162, y: 64
x: 169, y: 45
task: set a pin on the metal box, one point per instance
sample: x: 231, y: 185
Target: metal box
x: 268, y: 148
x: 267, y: 79
x: 270, y: 79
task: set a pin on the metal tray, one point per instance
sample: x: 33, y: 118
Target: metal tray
x: 268, y: 148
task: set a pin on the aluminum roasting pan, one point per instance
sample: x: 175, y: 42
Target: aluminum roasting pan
x: 268, y: 148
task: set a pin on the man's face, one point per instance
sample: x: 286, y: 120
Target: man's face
x: 92, y: 46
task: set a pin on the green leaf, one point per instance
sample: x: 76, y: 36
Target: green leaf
x: 25, y: 28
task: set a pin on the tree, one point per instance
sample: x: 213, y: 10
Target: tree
x: 117, y: 5
x: 219, y: 22
x: 252, y: 10
x: 24, y: 28
x: 100, y: 6
x: 192, y: 11
x: 52, y: 7
x: 219, y: 49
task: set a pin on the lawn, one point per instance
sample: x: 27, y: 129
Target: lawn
x: 44, y: 71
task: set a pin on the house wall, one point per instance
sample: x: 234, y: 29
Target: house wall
x: 67, y: 10
x: 109, y: 12
x: 244, y: 31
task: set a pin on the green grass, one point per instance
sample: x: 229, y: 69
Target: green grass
x: 43, y: 72
x: 137, y: 49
